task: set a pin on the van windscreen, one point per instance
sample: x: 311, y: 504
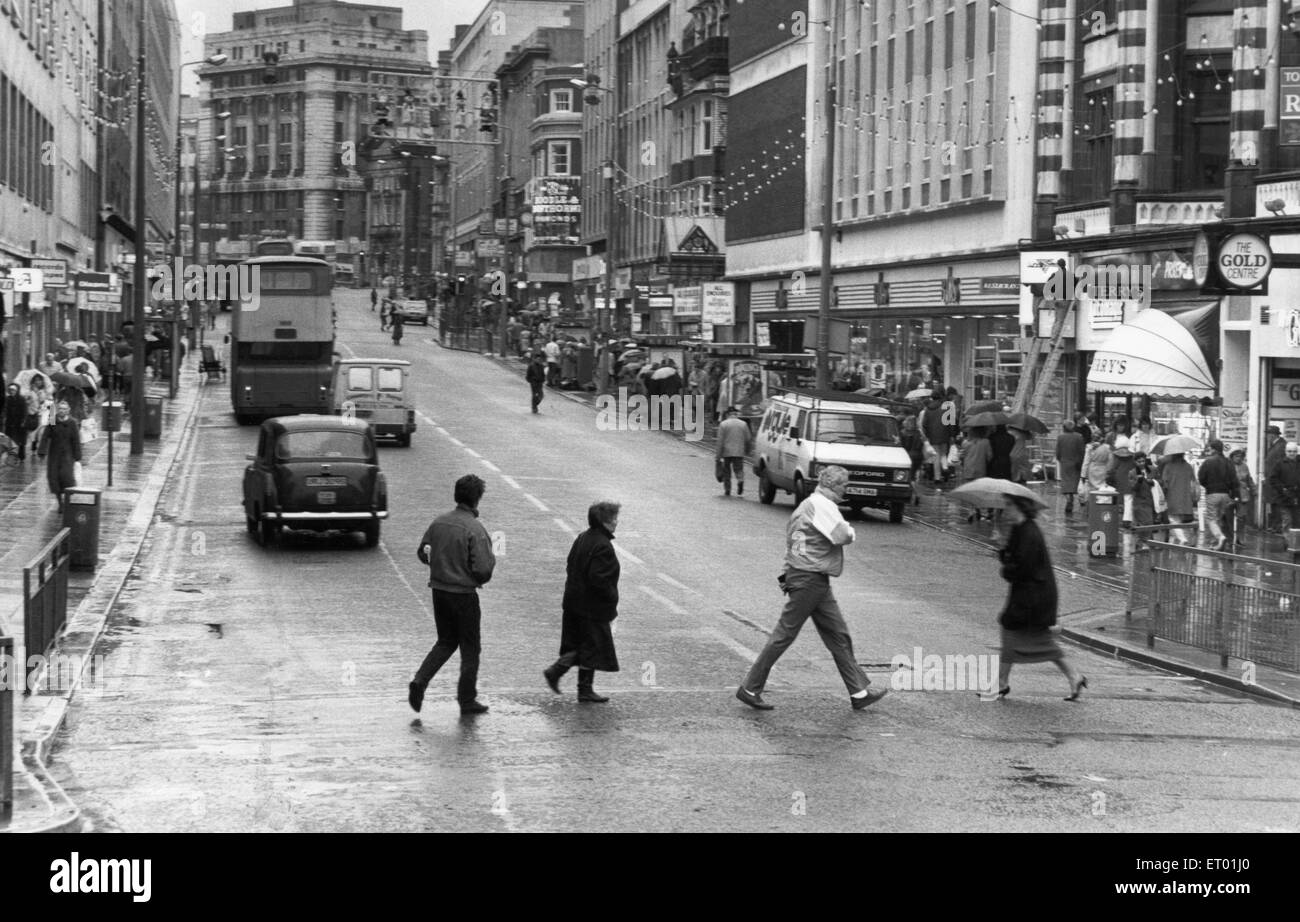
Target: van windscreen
x: 857, y: 428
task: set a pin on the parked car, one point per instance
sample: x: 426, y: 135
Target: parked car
x: 315, y: 472
x: 413, y: 311
x: 379, y: 392
x: 802, y: 433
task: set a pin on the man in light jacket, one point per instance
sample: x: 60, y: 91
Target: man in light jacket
x: 735, y: 442
x: 458, y: 552
x: 815, y: 539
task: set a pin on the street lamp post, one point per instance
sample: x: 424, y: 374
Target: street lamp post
x: 591, y: 83
x: 138, y: 275
x: 828, y: 195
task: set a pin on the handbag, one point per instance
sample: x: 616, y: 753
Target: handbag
x: 1158, y: 501
x: 719, y: 469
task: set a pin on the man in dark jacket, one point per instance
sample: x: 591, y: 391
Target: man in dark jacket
x: 1285, y: 483
x: 1070, y: 448
x: 15, y: 419
x: 935, y: 422
x: 61, y: 443
x: 459, y: 555
x: 1001, y: 444
x: 1218, y: 477
x: 536, y: 378
x: 1274, y: 451
x: 590, y: 605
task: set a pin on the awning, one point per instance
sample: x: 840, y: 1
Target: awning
x: 1154, y: 356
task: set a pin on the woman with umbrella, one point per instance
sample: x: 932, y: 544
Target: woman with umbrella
x: 1029, y: 615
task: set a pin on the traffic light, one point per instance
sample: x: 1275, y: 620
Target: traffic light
x: 270, y: 59
x: 487, y: 113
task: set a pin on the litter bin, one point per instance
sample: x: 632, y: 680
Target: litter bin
x: 1103, y: 522
x: 81, y: 516
x: 112, y: 417
x: 586, y: 365
x: 153, y: 407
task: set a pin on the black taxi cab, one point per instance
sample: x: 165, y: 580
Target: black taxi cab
x: 318, y: 473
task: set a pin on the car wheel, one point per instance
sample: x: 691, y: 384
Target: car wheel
x: 896, y: 512
x: 766, y: 489
x: 800, y: 491
x: 404, y: 440
x: 243, y: 419
x: 371, y: 531
x: 251, y: 523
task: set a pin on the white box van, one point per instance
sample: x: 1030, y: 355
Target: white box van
x: 379, y: 392
x: 802, y: 433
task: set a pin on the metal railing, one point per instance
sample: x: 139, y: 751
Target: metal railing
x: 8, y: 669
x: 1234, y: 606
x: 471, y: 339
x: 45, y: 598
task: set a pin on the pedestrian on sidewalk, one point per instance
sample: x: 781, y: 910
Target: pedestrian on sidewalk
x: 1121, y: 465
x: 1246, y: 488
x: 374, y: 299
x: 1285, y: 481
x: 735, y: 442
x: 15, y: 419
x: 1274, y: 451
x: 1096, y: 467
x: 1144, y: 439
x: 1182, y: 493
x: 536, y: 378
x: 913, y: 443
x: 1070, y: 450
x: 1218, y: 477
x: 935, y: 422
x: 975, y: 459
x: 1029, y: 615
x: 552, y: 362
x: 458, y: 552
x: 397, y: 321
x: 815, y: 538
x: 1143, y: 489
x: 1001, y: 445
x: 1081, y: 426
x: 61, y: 447
x: 590, y: 605
x: 385, y: 312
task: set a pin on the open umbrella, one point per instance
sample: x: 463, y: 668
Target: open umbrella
x: 24, y: 378
x: 985, y: 419
x: 81, y: 382
x: 1027, y: 423
x: 82, y: 366
x: 666, y: 372
x: 76, y: 344
x: 1176, y: 444
x: 921, y: 393
x: 985, y: 406
x: 993, y: 493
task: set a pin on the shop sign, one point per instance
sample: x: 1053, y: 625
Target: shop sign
x: 29, y: 280
x: 1286, y: 393
x: 56, y: 271
x: 1289, y: 117
x: 489, y: 248
x: 1244, y: 260
x: 687, y: 301
x: 719, y: 303
x: 1000, y: 284
x: 661, y: 302
x: 762, y: 336
x: 1201, y: 259
x: 1106, y: 315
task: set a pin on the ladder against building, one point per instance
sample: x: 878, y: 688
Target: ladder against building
x: 1042, y: 362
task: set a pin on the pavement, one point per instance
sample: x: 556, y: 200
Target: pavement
x: 28, y: 521
x: 1118, y: 634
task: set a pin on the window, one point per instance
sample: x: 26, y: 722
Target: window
x: 261, y: 134
x: 889, y: 64
x: 342, y: 74
x: 360, y: 378
x: 286, y: 133
x: 558, y: 155
x: 284, y: 162
x: 390, y: 379
x: 970, y: 31
x: 286, y: 103
x: 338, y: 132
x: 949, y: 36
x: 261, y: 163
x: 706, y: 127
x: 1095, y: 174
x: 263, y: 105
x: 562, y: 100
x: 241, y: 136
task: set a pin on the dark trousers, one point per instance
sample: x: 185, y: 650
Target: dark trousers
x: 553, y: 374
x: 810, y: 597
x: 457, y: 616
x: 585, y: 676
x: 538, y: 393
x: 730, y: 466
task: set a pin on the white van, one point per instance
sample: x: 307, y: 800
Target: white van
x: 377, y: 391
x: 802, y: 433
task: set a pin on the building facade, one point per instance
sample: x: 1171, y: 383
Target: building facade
x: 304, y: 84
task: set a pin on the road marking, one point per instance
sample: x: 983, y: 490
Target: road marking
x: 455, y: 441
x: 672, y: 582
x: 420, y: 597
x: 664, y: 601
x: 490, y: 466
x: 510, y: 481
x: 471, y: 452
x: 629, y: 555
x: 733, y: 645
x: 536, y: 502
x: 564, y: 526
x: 428, y: 419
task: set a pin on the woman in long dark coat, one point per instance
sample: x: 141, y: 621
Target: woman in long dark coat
x: 62, y: 444
x: 1030, y: 612
x: 590, y: 605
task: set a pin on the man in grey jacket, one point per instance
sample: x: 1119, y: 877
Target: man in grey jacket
x: 458, y: 551
x: 815, y: 539
x: 735, y: 442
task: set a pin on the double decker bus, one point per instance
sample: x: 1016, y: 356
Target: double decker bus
x: 282, y: 340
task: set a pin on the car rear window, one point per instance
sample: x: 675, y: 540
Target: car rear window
x: 312, y: 444
x: 390, y: 379
x: 359, y: 378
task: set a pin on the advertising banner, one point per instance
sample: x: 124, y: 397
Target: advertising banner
x: 557, y: 210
